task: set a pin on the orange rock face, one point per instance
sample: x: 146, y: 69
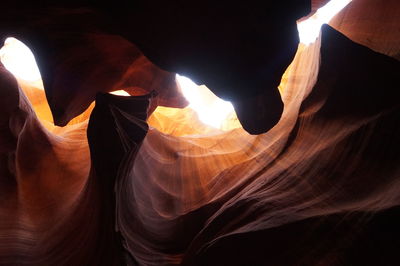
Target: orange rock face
x: 141, y: 180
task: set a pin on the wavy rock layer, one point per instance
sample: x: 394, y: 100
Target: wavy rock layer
x: 123, y: 185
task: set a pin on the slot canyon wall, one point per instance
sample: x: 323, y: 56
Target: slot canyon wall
x: 92, y: 178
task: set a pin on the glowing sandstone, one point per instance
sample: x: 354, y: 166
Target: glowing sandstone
x: 296, y: 194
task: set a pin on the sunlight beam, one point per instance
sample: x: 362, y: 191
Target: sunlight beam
x: 210, y: 109
x: 19, y: 60
x: 309, y: 29
x: 120, y: 93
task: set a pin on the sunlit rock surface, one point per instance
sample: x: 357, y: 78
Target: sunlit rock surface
x: 128, y: 183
